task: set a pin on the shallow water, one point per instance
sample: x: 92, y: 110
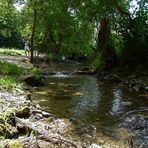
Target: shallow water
x: 87, y: 101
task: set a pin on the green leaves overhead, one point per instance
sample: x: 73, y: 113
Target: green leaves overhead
x: 64, y: 27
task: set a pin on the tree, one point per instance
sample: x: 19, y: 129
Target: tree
x: 133, y: 32
x: 9, y: 34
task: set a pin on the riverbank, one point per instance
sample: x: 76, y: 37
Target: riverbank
x: 22, y: 123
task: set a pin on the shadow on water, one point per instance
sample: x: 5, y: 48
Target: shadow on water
x: 87, y: 101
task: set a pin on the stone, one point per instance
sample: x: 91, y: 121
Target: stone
x: 33, y: 81
x: 36, y: 111
x: 45, y: 114
x: 94, y: 146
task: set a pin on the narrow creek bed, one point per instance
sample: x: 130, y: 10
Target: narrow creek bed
x: 96, y: 109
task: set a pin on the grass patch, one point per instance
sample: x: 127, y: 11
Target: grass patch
x: 9, y: 74
x: 10, y: 69
x: 16, y: 144
x: 8, y: 82
x: 36, y: 72
x: 11, y: 52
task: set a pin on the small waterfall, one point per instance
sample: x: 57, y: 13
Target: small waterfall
x: 61, y: 74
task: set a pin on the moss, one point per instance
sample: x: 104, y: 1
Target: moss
x: 16, y: 144
x: 11, y: 144
x: 36, y: 73
x: 6, y: 121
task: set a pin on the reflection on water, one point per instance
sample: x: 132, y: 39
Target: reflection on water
x: 117, y: 103
x: 87, y: 101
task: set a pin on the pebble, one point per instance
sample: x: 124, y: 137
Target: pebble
x: 35, y: 111
x: 45, y: 114
x: 38, y: 106
x: 94, y: 146
x: 38, y: 116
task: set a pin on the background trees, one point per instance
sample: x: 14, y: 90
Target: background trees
x: 9, y: 34
x: 102, y: 31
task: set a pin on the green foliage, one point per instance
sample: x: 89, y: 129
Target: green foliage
x: 67, y: 28
x: 9, y: 76
x: 134, y: 35
x: 97, y: 63
x: 9, y: 33
x: 37, y: 73
x: 4, y: 127
x: 118, y: 45
x: 5, y: 122
x: 10, y: 69
x: 16, y: 144
x: 8, y: 82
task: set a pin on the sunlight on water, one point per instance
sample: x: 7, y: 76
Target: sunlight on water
x: 117, y: 105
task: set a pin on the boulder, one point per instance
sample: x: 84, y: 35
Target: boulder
x: 34, y: 81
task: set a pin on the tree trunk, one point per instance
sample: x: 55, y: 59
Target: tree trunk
x: 33, y: 33
x: 105, y: 44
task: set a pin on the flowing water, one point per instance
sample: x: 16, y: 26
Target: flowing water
x: 88, y: 102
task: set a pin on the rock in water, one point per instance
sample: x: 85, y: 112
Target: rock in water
x: 35, y: 81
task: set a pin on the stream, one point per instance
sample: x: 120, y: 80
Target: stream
x: 93, y: 106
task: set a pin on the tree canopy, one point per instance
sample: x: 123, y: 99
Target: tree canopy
x: 109, y: 30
